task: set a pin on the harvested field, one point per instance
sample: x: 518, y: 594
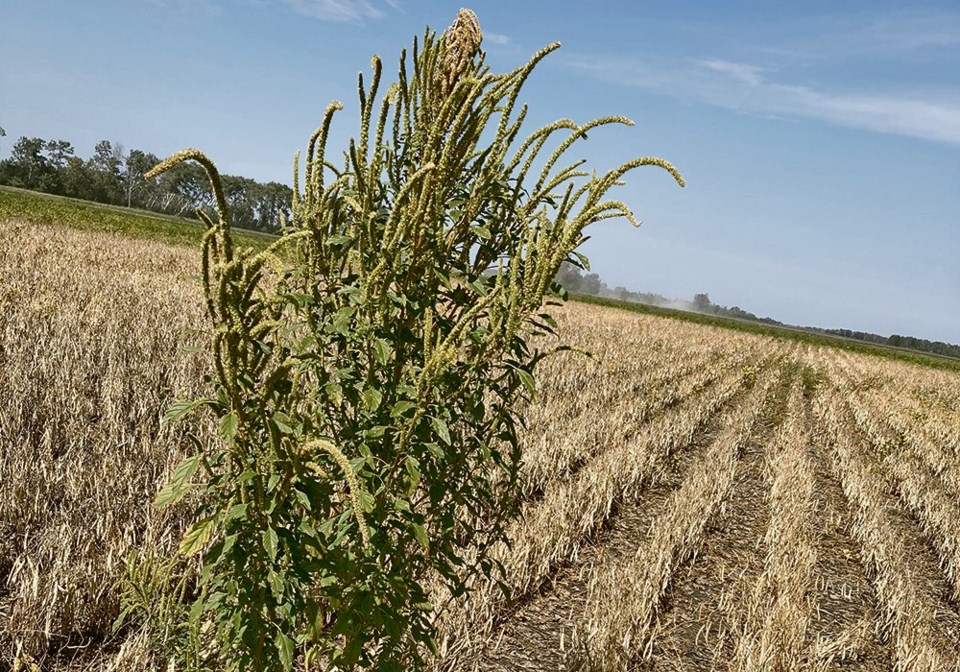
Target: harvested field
x: 694, y: 498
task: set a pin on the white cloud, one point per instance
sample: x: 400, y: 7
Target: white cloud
x: 746, y: 88
x: 337, y: 10
x: 496, y: 38
x: 748, y: 74
x: 926, y: 118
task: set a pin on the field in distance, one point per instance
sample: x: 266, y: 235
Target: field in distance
x: 693, y: 497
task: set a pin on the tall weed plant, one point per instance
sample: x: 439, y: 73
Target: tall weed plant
x: 370, y: 367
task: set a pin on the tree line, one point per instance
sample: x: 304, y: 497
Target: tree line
x: 897, y: 341
x: 570, y: 277
x: 115, y: 176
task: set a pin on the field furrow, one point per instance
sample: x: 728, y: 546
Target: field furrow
x: 931, y: 434
x: 552, y: 617
x: 921, y: 489
x: 922, y: 628
x: 557, y: 452
x: 777, y: 613
x: 614, y: 639
x: 552, y: 530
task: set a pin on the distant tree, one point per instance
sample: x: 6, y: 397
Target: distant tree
x: 28, y: 162
x: 114, y: 176
x: 591, y: 284
x: 105, y: 167
x: 241, y: 194
x: 189, y: 182
x: 701, y: 303
x: 135, y: 164
x: 271, y: 199
x: 58, y: 151
x: 76, y: 179
x: 569, y: 277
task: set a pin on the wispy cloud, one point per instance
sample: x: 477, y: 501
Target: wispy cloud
x: 496, y: 38
x: 208, y: 7
x: 897, y: 32
x: 748, y: 74
x: 907, y: 35
x: 747, y: 88
x: 338, y: 10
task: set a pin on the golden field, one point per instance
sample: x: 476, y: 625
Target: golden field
x: 694, y: 498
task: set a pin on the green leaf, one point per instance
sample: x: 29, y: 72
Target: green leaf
x: 341, y: 321
x: 381, y: 350
x: 272, y: 482
x: 122, y: 617
x: 548, y: 319
x: 197, y: 537
x: 314, y: 620
x: 302, y: 498
x: 583, y: 260
x: 236, y: 511
x: 179, y: 484
x: 270, y: 543
x: 421, y: 534
x: 180, y: 409
x: 527, y: 380
x: 440, y: 427
x: 413, y: 469
x: 196, y: 611
x: 401, y: 407
x: 285, y: 649
x: 276, y: 583
x: 283, y: 422
x: 228, y: 426
x: 482, y: 232
x: 334, y: 393
x: 372, y: 398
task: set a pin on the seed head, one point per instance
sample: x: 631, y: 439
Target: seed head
x: 462, y: 40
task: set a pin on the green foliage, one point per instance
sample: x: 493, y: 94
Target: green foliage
x: 113, y: 177
x: 152, y: 593
x: 30, y: 206
x: 371, y: 363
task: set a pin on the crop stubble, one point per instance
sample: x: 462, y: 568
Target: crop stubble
x: 693, y: 498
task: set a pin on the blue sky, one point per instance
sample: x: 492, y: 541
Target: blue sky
x: 820, y: 140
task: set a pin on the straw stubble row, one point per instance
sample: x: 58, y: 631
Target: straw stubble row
x: 615, y: 637
x: 551, y: 531
x: 912, y: 612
